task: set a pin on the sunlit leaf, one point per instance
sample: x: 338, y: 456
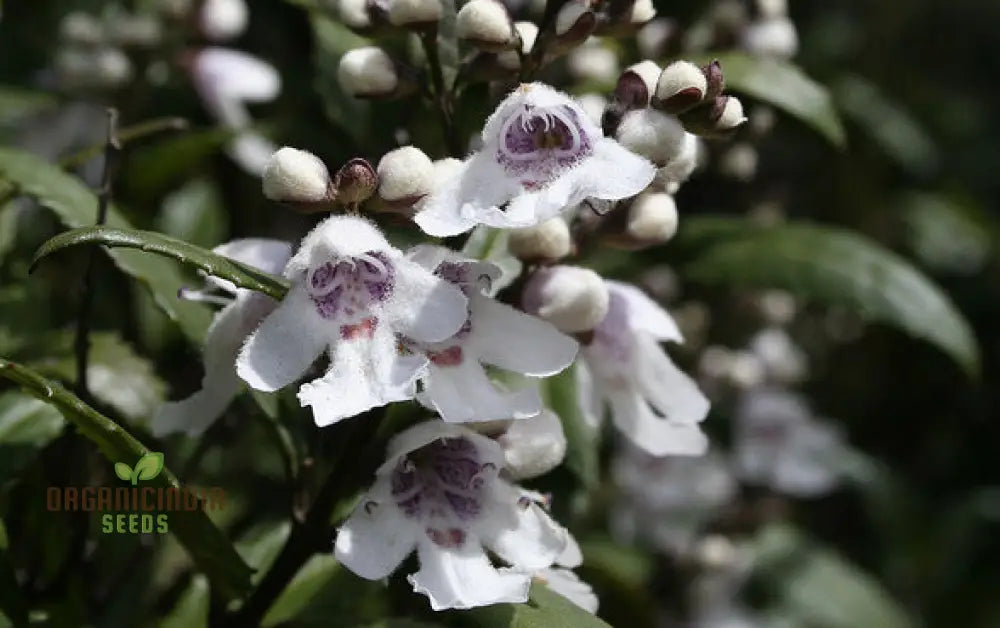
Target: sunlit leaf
x: 242, y: 275
x: 76, y: 206
x: 208, y: 546
x: 785, y: 86
x: 835, y: 266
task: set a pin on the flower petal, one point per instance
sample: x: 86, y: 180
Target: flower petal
x: 612, y: 173
x: 220, y: 384
x: 515, y: 341
x: 653, y: 434
x: 266, y: 254
x: 425, y: 433
x: 481, y: 184
x: 462, y: 392
x: 464, y: 578
x: 424, y: 307
x: 520, y: 532
x: 568, y: 584
x: 534, y: 446
x: 377, y: 536
x: 285, y: 344
x: 646, y: 314
x: 675, y: 395
x: 588, y: 394
x: 361, y: 377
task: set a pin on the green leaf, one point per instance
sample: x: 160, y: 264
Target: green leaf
x: 836, y: 266
x: 582, y: 440
x: 116, y: 375
x: 191, y: 609
x: 447, y: 40
x: 123, y: 471
x: 26, y: 426
x: 945, y: 234
x: 17, y: 103
x: 76, y: 206
x: 490, y: 245
x: 545, y: 609
x: 208, y: 546
x: 243, y: 275
x: 148, y: 467
x: 815, y: 587
x: 11, y: 602
x: 153, y: 169
x: 785, y: 86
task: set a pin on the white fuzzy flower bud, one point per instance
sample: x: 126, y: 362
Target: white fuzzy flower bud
x: 354, y: 13
x: 594, y: 61
x: 527, y: 32
x: 732, y: 114
x: 642, y: 12
x: 485, y: 24
x: 571, y: 298
x: 414, y: 13
x: 78, y: 27
x: 295, y: 175
x: 682, y: 84
x: 680, y: 167
x: 772, y: 8
x: 405, y: 175
x: 112, y: 67
x: 652, y: 217
x: 654, y: 135
x: 593, y: 105
x: 775, y: 37
x: 534, y: 446
x: 568, y: 16
x: 223, y: 19
x: 649, y: 72
x: 367, y: 72
x: 549, y: 240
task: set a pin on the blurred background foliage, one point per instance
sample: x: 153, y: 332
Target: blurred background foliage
x: 911, y: 538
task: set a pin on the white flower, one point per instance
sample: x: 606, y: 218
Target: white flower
x: 541, y: 154
x: 439, y: 493
x: 779, y: 443
x: 653, y: 403
x: 534, y: 446
x: 351, y: 293
x: 230, y: 327
x: 295, y: 175
x: 666, y: 500
x: 226, y: 80
x: 563, y: 581
x: 593, y: 105
x: 455, y: 381
x: 223, y: 19
x: 573, y: 299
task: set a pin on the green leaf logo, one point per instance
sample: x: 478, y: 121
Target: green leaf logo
x: 148, y: 467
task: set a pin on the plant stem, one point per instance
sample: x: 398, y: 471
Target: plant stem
x: 313, y: 534
x: 112, y: 148
x: 442, y: 95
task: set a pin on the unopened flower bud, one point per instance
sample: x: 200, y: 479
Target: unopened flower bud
x: 714, y: 79
x: 355, y: 182
x: 356, y: 14
x: 642, y: 12
x: 649, y: 72
x: 594, y: 61
x: 772, y: 8
x: 546, y: 241
x: 112, y: 67
x: 573, y: 299
x: 534, y: 446
x: 526, y: 32
x: 220, y: 20
x: 681, y: 86
x: 82, y: 28
x: 574, y: 24
x: 414, y: 13
x: 368, y: 73
x: 775, y: 37
x: 652, y: 217
x: 679, y: 168
x: 654, y: 135
x: 405, y: 176
x: 295, y: 176
x: 716, y: 117
x: 486, y: 25
x: 732, y: 114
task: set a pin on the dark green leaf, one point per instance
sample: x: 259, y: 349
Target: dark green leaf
x: 123, y: 471
x: 560, y: 394
x: 208, y: 546
x: 148, y: 467
x: 11, y: 602
x: 153, y: 169
x: 191, y: 610
x: 545, y: 609
x: 815, y: 587
x: 26, y: 426
x: 945, y: 234
x: 76, y: 206
x: 785, y: 86
x: 242, y: 275
x: 836, y: 266
x: 194, y: 214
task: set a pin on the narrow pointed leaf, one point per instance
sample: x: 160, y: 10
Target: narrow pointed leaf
x: 242, y: 275
x: 785, y: 86
x: 208, y: 546
x: 836, y: 266
x: 76, y: 206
